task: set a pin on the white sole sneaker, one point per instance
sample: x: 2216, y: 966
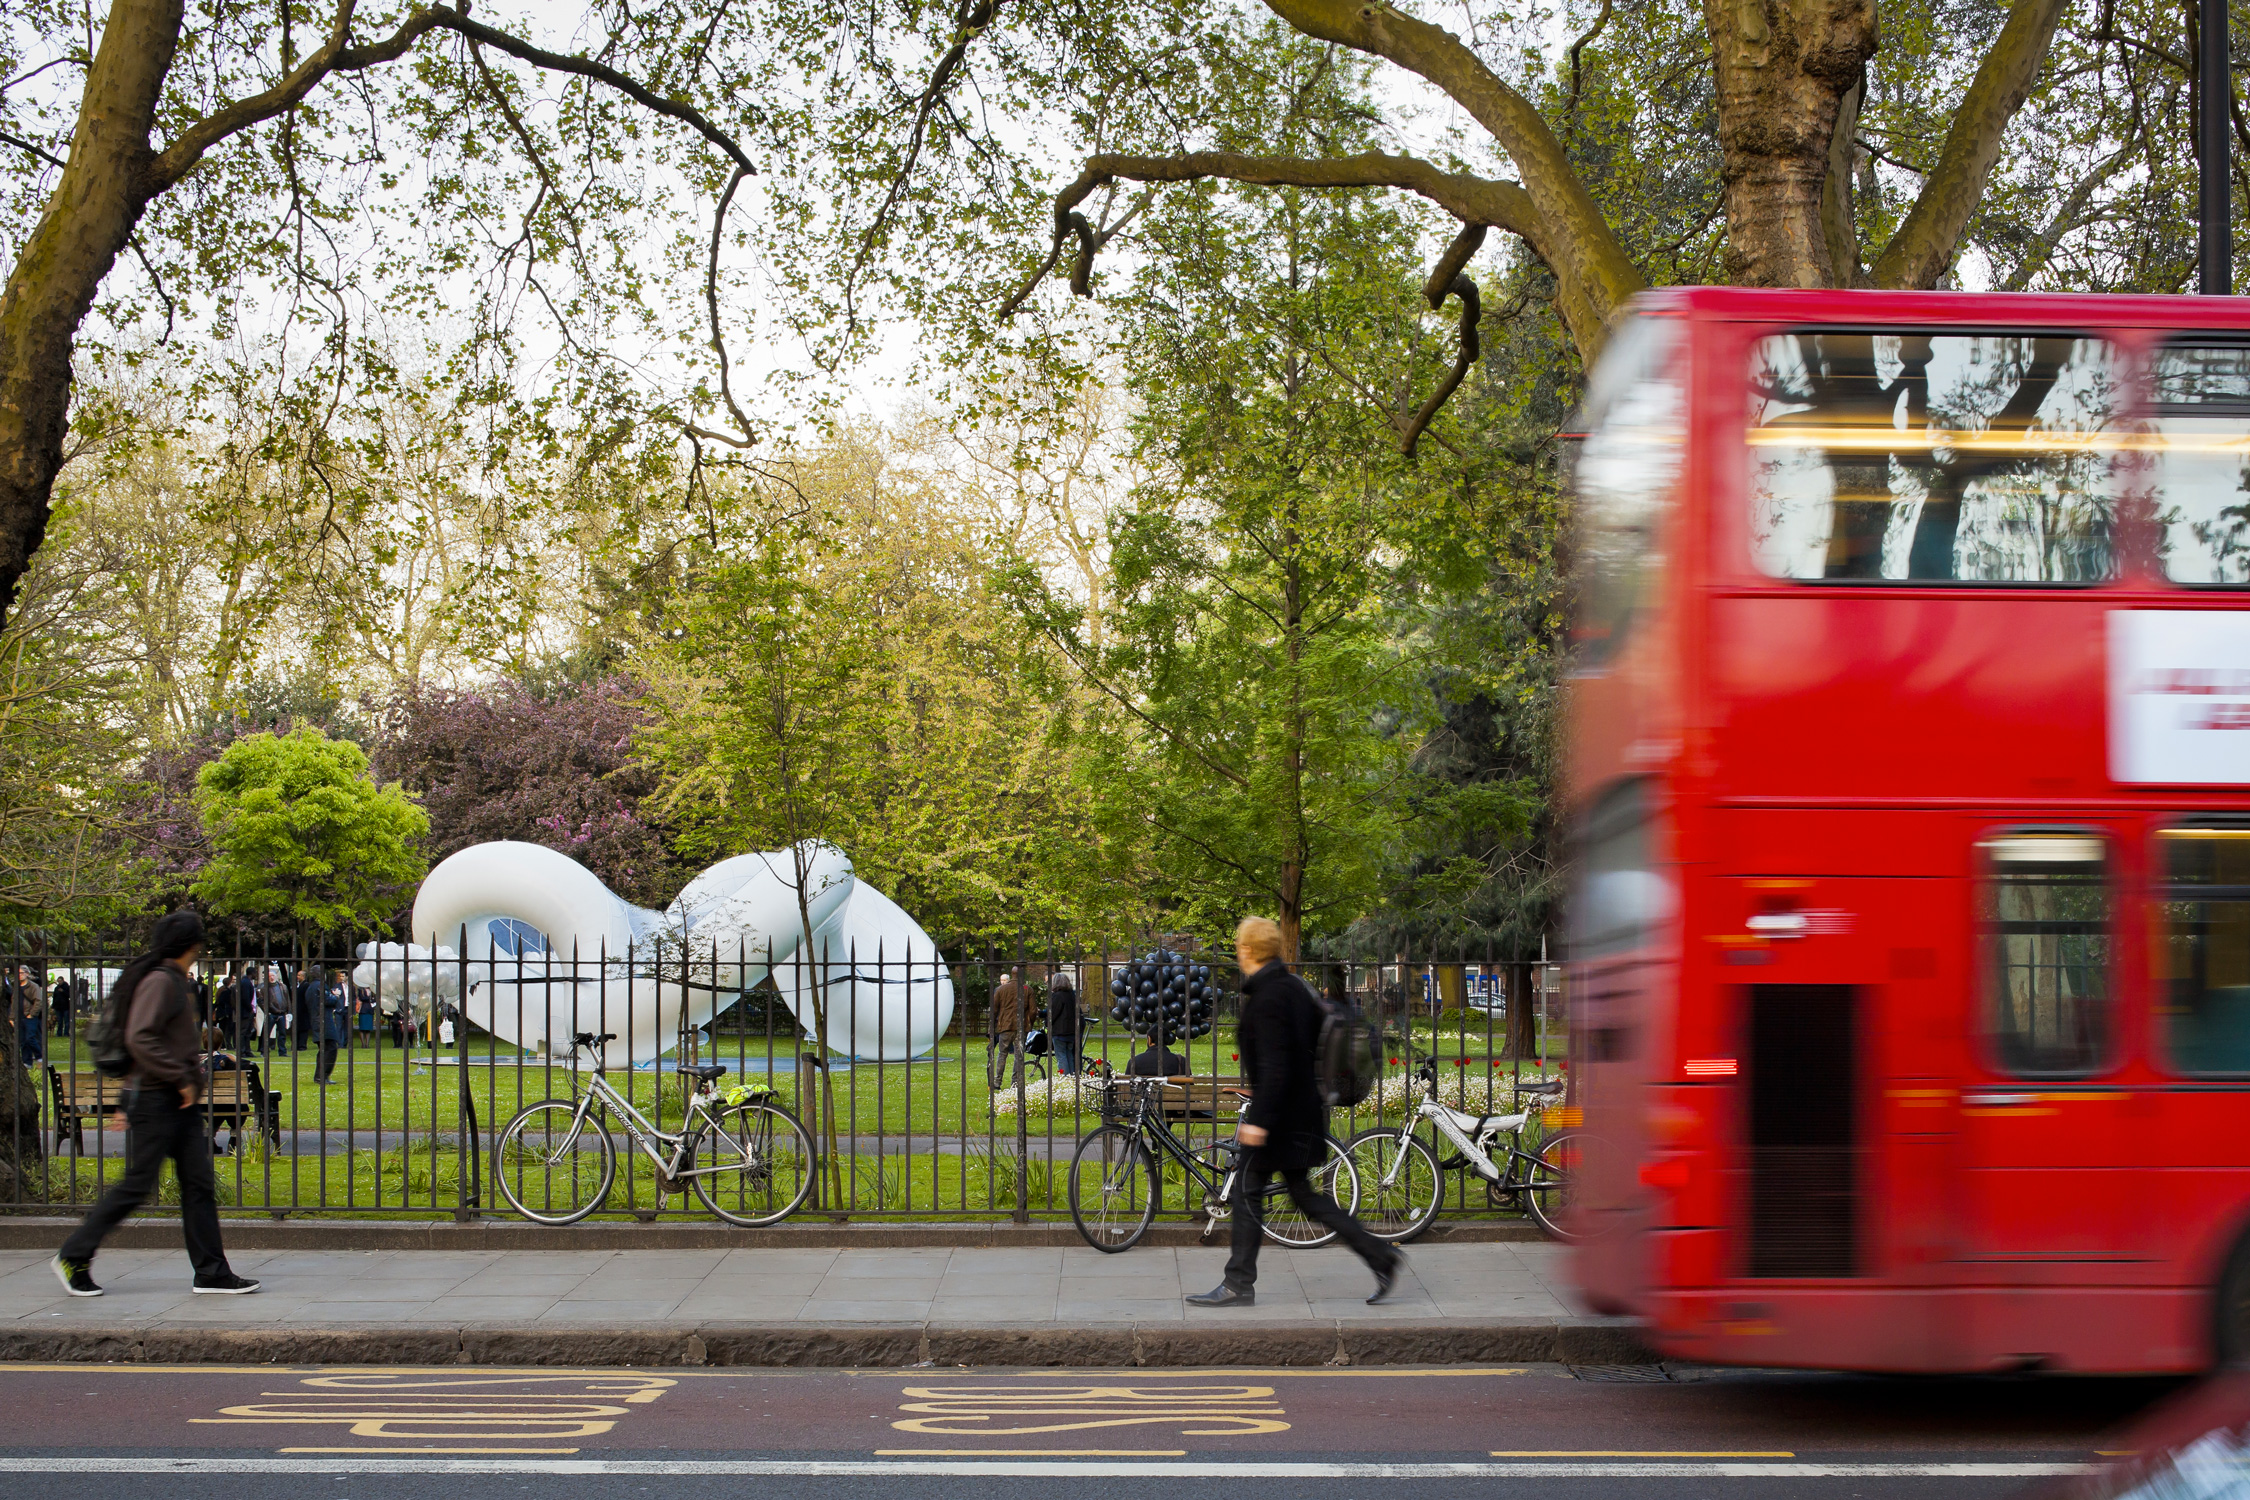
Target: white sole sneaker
x: 244, y: 1290
x: 62, y: 1275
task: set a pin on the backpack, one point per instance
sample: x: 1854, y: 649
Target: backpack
x: 105, y: 1039
x: 1345, y: 1055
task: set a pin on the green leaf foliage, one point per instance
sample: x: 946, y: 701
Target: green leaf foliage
x: 304, y: 837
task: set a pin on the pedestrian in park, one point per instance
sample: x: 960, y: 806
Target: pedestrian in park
x: 363, y: 1001
x: 306, y: 1022
x: 1009, y: 1013
x: 275, y: 1002
x: 58, y: 1007
x: 1063, y: 1023
x: 162, y: 1088
x: 31, y: 1017
x: 335, y: 1024
x: 244, y: 1005
x: 1285, y: 1129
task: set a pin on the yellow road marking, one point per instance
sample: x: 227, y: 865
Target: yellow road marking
x: 1637, y: 1453
x: 1031, y: 1452
x: 426, y: 1450
x: 1196, y: 1410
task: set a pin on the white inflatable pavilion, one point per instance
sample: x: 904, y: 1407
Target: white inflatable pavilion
x: 552, y: 951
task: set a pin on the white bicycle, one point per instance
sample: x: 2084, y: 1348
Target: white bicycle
x: 1402, y: 1179
x: 746, y: 1157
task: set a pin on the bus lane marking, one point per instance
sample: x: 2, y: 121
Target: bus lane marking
x: 492, y: 1414
x: 1014, y: 1411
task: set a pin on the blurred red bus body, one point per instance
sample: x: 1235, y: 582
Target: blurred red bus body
x: 1909, y: 773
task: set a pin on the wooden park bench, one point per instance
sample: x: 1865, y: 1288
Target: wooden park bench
x: 232, y: 1096
x: 81, y: 1096
x: 1201, y: 1098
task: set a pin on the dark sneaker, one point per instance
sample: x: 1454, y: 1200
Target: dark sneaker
x: 229, y: 1285
x: 1386, y: 1280
x: 76, y: 1276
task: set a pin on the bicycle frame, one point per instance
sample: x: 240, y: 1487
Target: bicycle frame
x: 1148, y: 1126
x: 642, y: 1132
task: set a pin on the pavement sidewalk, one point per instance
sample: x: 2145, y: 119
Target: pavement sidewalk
x: 804, y: 1306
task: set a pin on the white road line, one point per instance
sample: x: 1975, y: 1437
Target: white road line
x: 1041, y: 1468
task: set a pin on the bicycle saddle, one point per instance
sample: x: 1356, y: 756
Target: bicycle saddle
x: 704, y: 1072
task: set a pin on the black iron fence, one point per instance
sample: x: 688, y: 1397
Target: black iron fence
x: 373, y: 1082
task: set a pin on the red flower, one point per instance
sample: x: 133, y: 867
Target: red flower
x: 1235, y: 1056
x: 1460, y: 1062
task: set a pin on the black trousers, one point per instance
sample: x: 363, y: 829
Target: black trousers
x: 327, y: 1063
x: 159, y: 1127
x: 1246, y: 1221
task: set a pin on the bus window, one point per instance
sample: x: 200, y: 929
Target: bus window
x: 2203, y: 953
x: 2046, y: 922
x: 1620, y: 896
x: 1635, y: 441
x: 1970, y: 458
x: 2201, y: 413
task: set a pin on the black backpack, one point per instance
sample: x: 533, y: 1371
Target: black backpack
x: 105, y: 1039
x: 1345, y: 1054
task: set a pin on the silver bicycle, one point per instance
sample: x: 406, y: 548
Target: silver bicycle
x: 1402, y: 1178
x: 746, y: 1157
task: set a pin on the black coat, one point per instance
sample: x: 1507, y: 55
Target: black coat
x: 1276, y: 1032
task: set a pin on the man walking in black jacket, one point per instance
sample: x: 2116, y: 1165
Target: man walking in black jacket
x: 1285, y: 1129
x: 158, y: 994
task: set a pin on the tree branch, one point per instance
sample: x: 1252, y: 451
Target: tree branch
x: 1580, y: 244
x: 1473, y: 200
x: 335, y: 55
x: 1450, y: 279
x: 1924, y: 245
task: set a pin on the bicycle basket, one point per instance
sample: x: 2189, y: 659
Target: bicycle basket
x: 1117, y: 1099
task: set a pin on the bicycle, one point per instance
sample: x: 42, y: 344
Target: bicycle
x: 747, y: 1158
x: 1404, y: 1180
x: 1130, y: 1176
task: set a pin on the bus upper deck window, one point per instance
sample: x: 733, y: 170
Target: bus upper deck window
x: 2046, y: 922
x: 1949, y: 457
x: 2201, y: 413
x: 2203, y: 948
x: 1635, y: 417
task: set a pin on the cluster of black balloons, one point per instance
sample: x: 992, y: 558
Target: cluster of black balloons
x: 1161, y: 994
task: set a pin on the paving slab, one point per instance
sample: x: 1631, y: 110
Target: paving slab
x: 805, y: 1305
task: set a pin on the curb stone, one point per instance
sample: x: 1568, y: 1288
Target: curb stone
x: 849, y: 1345
x: 155, y: 1232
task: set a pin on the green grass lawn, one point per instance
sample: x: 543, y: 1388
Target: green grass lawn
x: 383, y: 1107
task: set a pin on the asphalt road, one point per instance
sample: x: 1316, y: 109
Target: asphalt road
x: 233, y: 1433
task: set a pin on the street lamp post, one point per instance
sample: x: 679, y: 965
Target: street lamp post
x: 2215, y: 251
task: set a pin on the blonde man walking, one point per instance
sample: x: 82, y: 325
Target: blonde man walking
x: 1285, y: 1129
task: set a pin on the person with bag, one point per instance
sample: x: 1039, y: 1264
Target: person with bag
x: 1011, y: 1018
x: 1285, y: 1129
x: 147, y: 1029
x: 1063, y: 1023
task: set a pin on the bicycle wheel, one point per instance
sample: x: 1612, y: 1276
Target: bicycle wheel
x: 1112, y: 1189
x: 550, y: 1169
x: 1287, y: 1224
x: 753, y: 1165
x: 1399, y: 1185
x: 1549, y: 1191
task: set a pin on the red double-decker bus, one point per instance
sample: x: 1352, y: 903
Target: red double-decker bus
x: 1909, y: 769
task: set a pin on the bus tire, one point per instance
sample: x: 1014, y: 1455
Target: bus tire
x: 2230, y: 1307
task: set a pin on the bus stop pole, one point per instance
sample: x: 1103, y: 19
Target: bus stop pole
x: 2215, y: 247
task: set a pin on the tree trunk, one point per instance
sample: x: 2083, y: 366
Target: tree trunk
x: 1783, y: 69
x: 23, y: 1166
x: 88, y: 221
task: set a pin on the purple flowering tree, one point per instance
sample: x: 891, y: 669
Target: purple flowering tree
x: 558, y: 770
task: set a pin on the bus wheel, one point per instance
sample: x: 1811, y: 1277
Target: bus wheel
x: 2231, y: 1321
